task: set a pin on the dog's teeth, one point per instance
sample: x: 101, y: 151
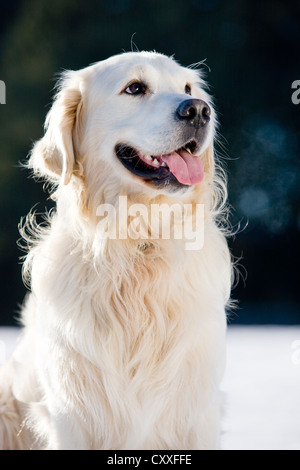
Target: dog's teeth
x: 155, y: 161
x: 147, y: 157
x: 163, y: 164
x: 189, y: 150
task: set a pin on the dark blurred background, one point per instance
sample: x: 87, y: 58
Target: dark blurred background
x: 253, y: 51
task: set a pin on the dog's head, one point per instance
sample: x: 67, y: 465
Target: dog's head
x: 138, y: 118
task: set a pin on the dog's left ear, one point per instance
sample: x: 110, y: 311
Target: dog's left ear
x: 54, y: 156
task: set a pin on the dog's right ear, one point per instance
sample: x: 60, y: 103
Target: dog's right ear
x: 54, y: 156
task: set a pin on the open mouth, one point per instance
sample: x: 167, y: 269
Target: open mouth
x: 180, y: 167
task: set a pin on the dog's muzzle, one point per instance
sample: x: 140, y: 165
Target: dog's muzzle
x: 176, y: 168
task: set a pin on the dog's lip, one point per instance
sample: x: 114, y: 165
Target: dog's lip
x: 187, y: 169
x: 131, y: 159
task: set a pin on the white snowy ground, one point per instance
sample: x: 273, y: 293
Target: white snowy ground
x: 261, y: 385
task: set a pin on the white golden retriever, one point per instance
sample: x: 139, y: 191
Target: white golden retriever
x: 123, y: 345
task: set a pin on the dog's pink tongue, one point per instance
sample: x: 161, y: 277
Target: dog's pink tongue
x: 187, y: 168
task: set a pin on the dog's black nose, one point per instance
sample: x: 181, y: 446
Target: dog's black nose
x: 195, y: 112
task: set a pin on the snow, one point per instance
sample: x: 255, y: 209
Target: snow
x: 261, y: 386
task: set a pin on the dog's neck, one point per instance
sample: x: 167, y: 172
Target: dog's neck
x: 143, y: 224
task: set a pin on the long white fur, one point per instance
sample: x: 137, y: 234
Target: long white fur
x: 123, y: 344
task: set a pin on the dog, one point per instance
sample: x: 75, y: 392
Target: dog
x: 123, y: 339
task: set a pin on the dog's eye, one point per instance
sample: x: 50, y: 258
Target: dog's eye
x: 136, y: 88
x: 188, y: 89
